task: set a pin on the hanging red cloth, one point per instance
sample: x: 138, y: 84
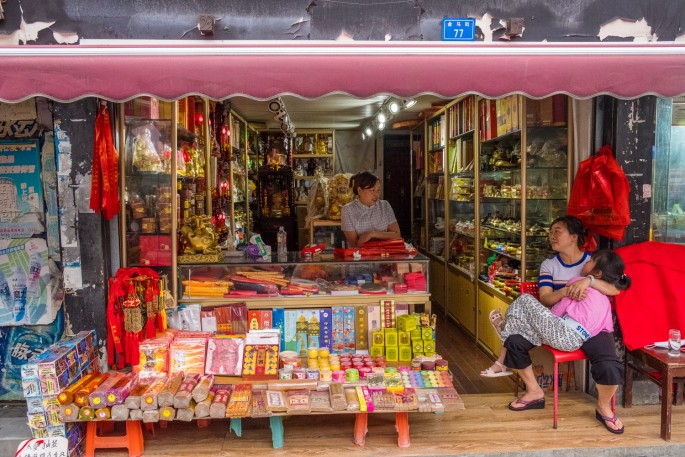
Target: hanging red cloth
x: 104, y: 188
x: 599, y: 197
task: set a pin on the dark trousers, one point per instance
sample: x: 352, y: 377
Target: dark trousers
x: 606, y: 369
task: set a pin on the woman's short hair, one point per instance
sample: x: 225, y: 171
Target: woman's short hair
x: 574, y: 227
x: 363, y: 179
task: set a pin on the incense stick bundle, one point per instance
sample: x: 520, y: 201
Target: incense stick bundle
x: 67, y: 395
x: 202, y: 408
x: 186, y: 414
x: 81, y: 395
x: 148, y: 402
x: 118, y: 393
x: 218, y: 406
x: 166, y: 395
x: 86, y: 413
x: 103, y: 414
x: 203, y: 387
x: 151, y: 416
x: 184, y: 394
x: 68, y: 413
x: 98, y: 398
x: 136, y: 415
x: 133, y: 399
x: 167, y: 413
x: 120, y: 413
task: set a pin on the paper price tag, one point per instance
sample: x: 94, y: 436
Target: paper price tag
x: 43, y: 447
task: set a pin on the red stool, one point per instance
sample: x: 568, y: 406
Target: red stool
x: 132, y: 439
x: 558, y: 356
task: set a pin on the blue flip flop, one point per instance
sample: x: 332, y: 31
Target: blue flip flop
x: 533, y: 404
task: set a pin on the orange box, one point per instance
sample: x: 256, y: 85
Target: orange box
x: 253, y: 320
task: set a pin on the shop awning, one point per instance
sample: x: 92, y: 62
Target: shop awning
x: 263, y: 70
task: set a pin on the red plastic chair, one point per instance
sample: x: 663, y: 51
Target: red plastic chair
x: 558, y: 356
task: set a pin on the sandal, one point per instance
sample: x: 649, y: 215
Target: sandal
x: 533, y: 404
x: 604, y: 419
x: 496, y: 370
x: 497, y: 322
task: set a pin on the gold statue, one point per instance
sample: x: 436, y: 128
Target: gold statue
x: 198, y: 236
x: 145, y: 157
x: 339, y: 194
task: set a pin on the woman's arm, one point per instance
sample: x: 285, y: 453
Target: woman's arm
x: 578, y: 290
x: 550, y: 297
x: 351, y: 237
x: 391, y: 233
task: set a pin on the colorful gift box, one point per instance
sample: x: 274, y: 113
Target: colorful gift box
x: 390, y: 337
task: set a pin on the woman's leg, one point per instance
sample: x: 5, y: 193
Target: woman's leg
x: 533, y: 389
x: 529, y: 318
x: 607, y: 372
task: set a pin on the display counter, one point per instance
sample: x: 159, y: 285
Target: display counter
x: 299, y: 282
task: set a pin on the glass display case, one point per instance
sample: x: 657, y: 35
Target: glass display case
x: 326, y: 233
x: 435, y: 186
x: 668, y: 202
x: 296, y: 282
x: 313, y: 157
x: 461, y: 236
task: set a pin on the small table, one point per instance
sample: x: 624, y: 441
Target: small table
x: 670, y: 367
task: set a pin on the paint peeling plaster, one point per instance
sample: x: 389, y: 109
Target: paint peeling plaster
x: 634, y: 118
x: 29, y: 32
x: 640, y: 30
x: 485, y: 25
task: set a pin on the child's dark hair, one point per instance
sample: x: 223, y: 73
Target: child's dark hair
x: 574, y: 227
x: 363, y: 179
x: 612, y: 267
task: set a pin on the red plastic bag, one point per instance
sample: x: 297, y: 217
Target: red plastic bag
x: 599, y: 197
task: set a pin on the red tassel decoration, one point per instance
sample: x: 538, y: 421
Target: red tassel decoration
x: 150, y: 327
x: 135, y: 350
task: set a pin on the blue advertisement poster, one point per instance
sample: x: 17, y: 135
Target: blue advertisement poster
x: 21, y: 189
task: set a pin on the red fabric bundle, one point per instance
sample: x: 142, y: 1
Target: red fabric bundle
x: 104, y: 187
x: 377, y: 248
x: 599, y: 197
x: 653, y: 304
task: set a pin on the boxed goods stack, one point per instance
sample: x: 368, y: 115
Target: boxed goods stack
x: 48, y: 376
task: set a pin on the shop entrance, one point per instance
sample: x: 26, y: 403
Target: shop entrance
x: 396, y: 179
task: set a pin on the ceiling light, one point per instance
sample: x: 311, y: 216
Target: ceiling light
x: 381, y: 125
x: 363, y: 136
x: 368, y: 130
x: 394, y: 107
x: 409, y: 103
x: 381, y: 118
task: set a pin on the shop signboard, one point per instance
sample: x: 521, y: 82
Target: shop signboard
x: 458, y: 29
x: 21, y: 190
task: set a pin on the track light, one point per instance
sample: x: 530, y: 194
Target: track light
x: 394, y: 107
x: 381, y: 118
x: 363, y: 136
x: 368, y: 130
x: 381, y: 125
x: 409, y: 103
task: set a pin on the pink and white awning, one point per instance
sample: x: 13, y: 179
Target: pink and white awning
x: 312, y: 69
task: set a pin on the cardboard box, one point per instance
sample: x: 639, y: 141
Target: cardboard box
x: 375, y: 351
x: 392, y: 354
x: 390, y: 337
x: 349, y: 329
x: 428, y: 346
x: 405, y: 354
x: 378, y: 337
x: 325, y: 328
x: 406, y: 323
x: 278, y: 322
x: 417, y: 346
x: 403, y: 339
x: 338, y: 329
x: 265, y: 318
x: 361, y: 330
x: 253, y: 317
x: 374, y: 317
x: 426, y: 333
x: 388, y: 313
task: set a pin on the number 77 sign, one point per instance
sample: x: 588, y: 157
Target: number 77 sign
x: 458, y: 29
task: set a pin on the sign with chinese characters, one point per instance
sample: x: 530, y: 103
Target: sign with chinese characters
x: 458, y: 29
x: 21, y: 190
x: 56, y: 446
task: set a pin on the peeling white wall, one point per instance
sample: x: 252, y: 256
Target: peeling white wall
x: 640, y: 30
x: 29, y: 32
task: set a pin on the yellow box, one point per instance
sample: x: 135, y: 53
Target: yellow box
x: 417, y: 345
x: 390, y: 337
x: 426, y: 333
x: 392, y: 354
x: 415, y: 334
x: 375, y: 351
x: 429, y: 354
x: 428, y: 345
x: 403, y: 339
x: 405, y: 353
x: 378, y: 338
x: 406, y: 322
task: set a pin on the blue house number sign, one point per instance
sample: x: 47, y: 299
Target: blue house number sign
x: 458, y: 29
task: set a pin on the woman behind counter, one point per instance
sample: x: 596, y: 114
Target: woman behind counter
x: 367, y: 217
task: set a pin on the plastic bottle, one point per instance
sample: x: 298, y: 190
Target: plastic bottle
x: 282, y: 242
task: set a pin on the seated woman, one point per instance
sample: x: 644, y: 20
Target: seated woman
x: 567, y: 236
x: 368, y: 217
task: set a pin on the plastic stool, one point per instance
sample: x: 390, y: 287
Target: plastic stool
x: 132, y: 439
